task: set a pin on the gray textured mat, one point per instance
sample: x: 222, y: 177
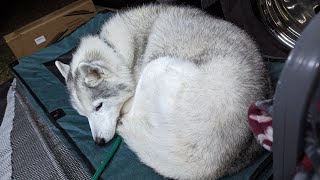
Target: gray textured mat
x: 37, y: 153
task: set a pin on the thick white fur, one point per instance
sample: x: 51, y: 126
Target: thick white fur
x: 189, y: 80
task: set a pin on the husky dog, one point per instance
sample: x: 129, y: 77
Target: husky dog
x: 176, y: 84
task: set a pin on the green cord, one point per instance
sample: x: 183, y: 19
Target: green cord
x: 108, y: 158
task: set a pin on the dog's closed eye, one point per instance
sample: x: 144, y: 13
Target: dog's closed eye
x: 99, y: 106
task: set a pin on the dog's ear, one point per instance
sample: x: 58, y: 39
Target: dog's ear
x: 93, y: 73
x: 63, y: 68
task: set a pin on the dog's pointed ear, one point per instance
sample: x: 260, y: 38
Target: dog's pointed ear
x: 63, y: 68
x: 93, y: 73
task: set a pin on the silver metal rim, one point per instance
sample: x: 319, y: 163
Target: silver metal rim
x: 286, y: 19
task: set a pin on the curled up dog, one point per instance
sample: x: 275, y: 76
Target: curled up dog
x: 176, y: 84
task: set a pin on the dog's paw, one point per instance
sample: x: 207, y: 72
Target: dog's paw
x: 121, y: 127
x: 119, y: 122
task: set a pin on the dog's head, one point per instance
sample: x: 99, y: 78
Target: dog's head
x: 99, y: 83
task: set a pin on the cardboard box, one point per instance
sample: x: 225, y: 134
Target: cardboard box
x: 50, y: 28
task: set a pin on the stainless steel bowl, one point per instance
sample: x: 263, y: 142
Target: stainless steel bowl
x: 287, y: 18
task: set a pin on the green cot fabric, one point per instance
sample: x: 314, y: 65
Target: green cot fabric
x: 38, y: 81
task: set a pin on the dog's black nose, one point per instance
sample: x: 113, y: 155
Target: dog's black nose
x: 100, y: 141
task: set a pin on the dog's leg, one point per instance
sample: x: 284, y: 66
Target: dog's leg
x: 149, y: 127
x: 158, y: 88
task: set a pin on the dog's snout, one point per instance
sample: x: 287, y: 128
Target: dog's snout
x: 100, y: 141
